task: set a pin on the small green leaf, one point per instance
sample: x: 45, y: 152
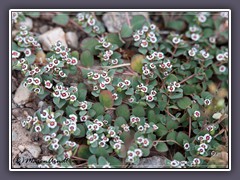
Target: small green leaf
x: 119, y: 121
x: 161, y: 147
x: 137, y: 63
x: 171, y: 137
x: 87, y: 58
x: 30, y: 59
x: 75, y: 54
x: 33, y: 14
x: 83, y: 152
x: 161, y: 131
x: 114, y: 38
x: 98, y: 108
x: 90, y: 44
x: 61, y: 19
x: 137, y: 22
x: 178, y: 156
x: 181, y: 137
x: 184, y: 102
x: 106, y: 98
x: 176, y: 25
x: 123, y: 111
x: 126, y: 31
x: 138, y: 111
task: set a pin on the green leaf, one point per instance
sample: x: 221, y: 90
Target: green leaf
x: 176, y: 25
x: 33, y: 14
x: 92, y: 160
x: 83, y: 152
x: 171, y: 78
x: 137, y: 63
x: 123, y: 111
x: 30, y: 59
x: 61, y: 19
x: 171, y: 137
x: 106, y: 98
x: 82, y: 131
x: 126, y: 31
x: 138, y: 111
x: 98, y: 108
x: 63, y: 140
x: 188, y: 89
x: 181, y: 137
x: 161, y: 131
x: 114, y: 162
x: 90, y: 44
x: 102, y: 161
x: 87, y: 58
x: 161, y: 147
x: 152, y: 116
x: 178, y: 156
x: 114, y: 38
x: 75, y: 54
x: 172, y: 124
x: 184, y: 102
x: 82, y: 92
x: 119, y: 122
x: 137, y: 22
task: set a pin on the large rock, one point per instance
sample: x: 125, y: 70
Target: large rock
x: 25, y: 160
x: 22, y: 95
x: 35, y: 150
x: 151, y: 162
x: 114, y: 20
x: 27, y: 22
x: 72, y: 39
x: 49, y: 38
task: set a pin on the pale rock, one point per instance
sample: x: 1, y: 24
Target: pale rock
x: 34, y: 150
x: 151, y: 162
x: 72, y: 39
x: 22, y: 95
x: 49, y: 38
x: 21, y: 148
x: 114, y: 20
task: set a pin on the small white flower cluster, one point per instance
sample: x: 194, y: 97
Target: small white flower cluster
x: 100, y: 80
x: 151, y: 96
x: 176, y: 39
x: 204, y: 140
x: 107, y: 50
x: 202, y: 17
x: 26, y: 39
x: 195, y: 52
x: 155, y: 56
x: 173, y: 86
x: 178, y: 164
x: 146, y: 36
x: 133, y: 155
x: 34, y: 83
x: 124, y: 85
x: 89, y: 23
x: 194, y: 33
x: 32, y: 121
x: 69, y: 125
x: 141, y: 88
x: 62, y: 92
x: 16, y: 16
x: 222, y: 57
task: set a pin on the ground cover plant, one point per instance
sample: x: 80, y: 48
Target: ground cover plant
x: 157, y: 87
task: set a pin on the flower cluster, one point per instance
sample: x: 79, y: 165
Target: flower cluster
x: 17, y: 16
x: 89, y: 23
x: 62, y: 92
x: 194, y: 33
x: 173, y: 86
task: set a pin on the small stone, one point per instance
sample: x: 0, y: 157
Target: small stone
x: 14, y: 136
x: 21, y: 148
x: 43, y: 29
x: 114, y: 20
x: 49, y: 38
x: 72, y: 39
x: 40, y: 58
x: 34, y: 150
x: 27, y: 22
x: 151, y: 162
x: 22, y: 95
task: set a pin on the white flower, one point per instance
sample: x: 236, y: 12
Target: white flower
x: 48, y: 84
x: 153, y: 39
x: 202, y: 18
x: 83, y: 105
x: 200, y: 138
x: 152, y: 26
x: 186, y: 146
x: 47, y: 138
x: 107, y: 80
x: 91, y: 21
x: 222, y: 68
x: 83, y: 118
x: 212, y: 40
x: 205, y: 54
x: 138, y: 152
x: 207, y: 102
x: 27, y: 52
x: 106, y: 44
x: 197, y: 114
x: 72, y: 127
x: 146, y: 72
x: 102, y: 85
x: 195, y: 36
x: 117, y: 146
x: 24, y: 67
x: 55, y: 146
x: 36, y: 81
x: 171, y: 88
x: 73, y: 98
x: 56, y: 93
x: 96, y: 76
x: 174, y: 163
x: 114, y: 61
x: 145, y: 142
x: 131, y: 153
x: 15, y: 54
x: 191, y: 52
x: 203, y: 145
x: 193, y: 28
x: 160, y: 55
x: 207, y: 137
x: 149, y: 98
x: 136, y: 37
x: 201, y: 150
x: 224, y: 14
x: 115, y: 96
x: 52, y: 123
x: 96, y: 28
x: 107, y: 166
x: 36, y: 90
x: 144, y: 43
x: 64, y: 94
x: 226, y: 54
x: 112, y: 133
x: 140, y: 32
x: 176, y: 40
x: 177, y: 85
x: 62, y: 74
x: 149, y: 57
x: 168, y: 64
x: 145, y: 28
x: 73, y: 117
x: 196, y: 161
x: 144, y: 88
x: 38, y: 128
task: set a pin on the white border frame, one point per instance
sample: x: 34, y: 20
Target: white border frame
x: 116, y: 10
